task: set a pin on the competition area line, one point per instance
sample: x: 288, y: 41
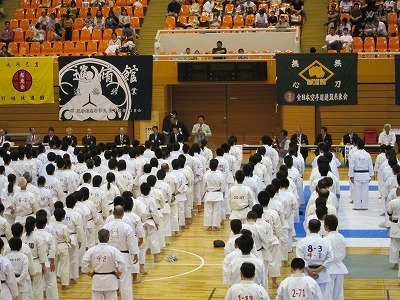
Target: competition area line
x: 212, y: 293
x: 387, y: 295
x: 199, y: 266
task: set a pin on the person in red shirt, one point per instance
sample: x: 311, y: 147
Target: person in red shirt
x: 7, y: 34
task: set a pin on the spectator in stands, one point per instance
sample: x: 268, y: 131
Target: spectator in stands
x: 333, y: 16
x: 113, y: 45
x: 99, y: 20
x: 73, y: 10
x: 261, y: 19
x: 124, y: 19
x: 194, y: 9
x: 389, y: 6
x: 346, y: 40
x: 7, y: 34
x: 52, y: 22
x: 282, y: 23
x: 38, y: 34
x: 239, y: 8
x: 98, y: 3
x: 272, y: 19
x: 381, y: 14
x: 128, y: 33
x: 88, y: 22
x: 57, y: 33
x: 343, y: 24
x: 111, y: 21
x: 345, y: 6
x: 313, y: 50
x: 173, y: 8
x: 332, y: 40
x: 44, y: 19
x: 219, y: 50
x: 249, y: 7
x: 215, y: 19
x: 370, y: 28
x: 5, y: 52
x: 356, y: 16
x: 241, y: 51
x: 380, y: 29
x: 368, y: 8
x: 68, y: 26
x: 208, y: 7
x: 297, y: 8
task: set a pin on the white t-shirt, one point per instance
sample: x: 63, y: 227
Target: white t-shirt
x: 331, y: 38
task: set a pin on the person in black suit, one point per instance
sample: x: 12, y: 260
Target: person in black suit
x: 350, y: 138
x: 300, y: 139
x: 182, y: 128
x: 74, y: 140
x: 157, y: 137
x: 3, y: 137
x: 50, y: 137
x: 88, y: 139
x: 323, y: 137
x: 175, y: 136
x: 122, y: 138
x: 167, y: 121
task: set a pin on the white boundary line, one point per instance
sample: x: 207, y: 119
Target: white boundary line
x: 182, y: 274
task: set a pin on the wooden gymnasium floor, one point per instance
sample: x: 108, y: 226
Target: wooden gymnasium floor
x: 197, y: 273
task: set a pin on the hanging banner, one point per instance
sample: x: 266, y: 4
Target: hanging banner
x: 26, y: 80
x: 317, y: 79
x: 105, y: 88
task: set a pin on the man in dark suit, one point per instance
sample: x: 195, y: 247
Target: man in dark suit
x: 3, y: 137
x: 350, y: 138
x: 69, y: 136
x: 182, y: 128
x: 122, y: 138
x: 300, y: 139
x: 50, y: 137
x: 157, y: 137
x: 88, y: 139
x: 175, y: 136
x: 323, y: 137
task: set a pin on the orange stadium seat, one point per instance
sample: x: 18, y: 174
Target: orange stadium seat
x: 229, y: 8
x: 62, y: 11
x: 182, y: 19
x: 107, y: 33
x: 192, y: 18
x: 38, y: 11
x: 19, y: 14
x: 226, y: 22
x: 130, y: 2
x: 75, y: 35
x: 238, y: 21
x: 85, y: 35
x: 135, y: 21
x: 116, y: 9
x: 2, y: 44
x: 144, y: 3
x: 393, y: 44
x: 51, y: 10
x: 91, y: 48
x: 138, y: 12
x: 78, y: 3
x: 286, y: 17
x: 13, y: 47
x: 78, y: 23
x: 80, y: 48
x: 24, y: 24
x: 118, y: 31
x: 102, y: 46
x: 357, y: 44
x: 68, y: 48
x: 369, y: 46
x: 381, y: 44
x: 35, y: 3
x: 170, y: 22
x: 23, y: 49
x: 25, y: 4
x: 250, y: 19
x: 129, y: 10
x: 56, y: 3
x: 392, y: 18
x: 14, y: 24
x: 393, y: 30
x: 120, y: 3
x: 184, y: 12
x: 35, y: 49
x: 47, y: 48
x: 19, y: 36
x: 263, y: 5
x: 58, y: 47
x: 344, y: 15
x: 29, y: 34
x: 83, y: 11
x: 30, y: 14
x: 46, y: 3
x: 97, y: 35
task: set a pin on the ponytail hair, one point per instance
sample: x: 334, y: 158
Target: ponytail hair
x: 110, y: 178
x: 30, y: 225
x: 11, y: 181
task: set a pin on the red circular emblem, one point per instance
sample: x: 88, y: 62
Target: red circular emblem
x: 22, y: 80
x: 289, y: 97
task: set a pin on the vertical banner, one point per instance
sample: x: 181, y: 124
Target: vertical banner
x: 26, y: 80
x: 105, y: 88
x: 317, y: 79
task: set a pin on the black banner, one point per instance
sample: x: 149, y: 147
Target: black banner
x: 317, y: 79
x: 105, y: 88
x: 397, y: 77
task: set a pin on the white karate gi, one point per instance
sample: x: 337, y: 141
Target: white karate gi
x: 173, y: 182
x: 238, y: 154
x: 180, y: 197
x: 234, y: 269
x: 247, y: 289
x: 273, y: 155
x: 55, y: 186
x: 9, y: 286
x: 337, y: 269
x: 241, y: 200
x: 104, y: 259
x: 393, y: 209
x: 360, y: 168
x: 5, y: 230
x: 62, y: 254
x: 20, y: 264
x: 299, y: 287
x: 24, y: 204
x: 214, y: 188
x: 151, y: 221
x: 46, y: 200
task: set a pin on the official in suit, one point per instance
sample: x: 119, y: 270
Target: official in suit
x: 350, y: 138
x: 74, y: 140
x: 176, y: 136
x: 50, y: 137
x: 122, y: 138
x: 182, y: 128
x: 323, y: 137
x: 33, y: 138
x: 300, y: 139
x: 157, y: 137
x: 3, y: 137
x: 88, y: 139
x: 200, y: 130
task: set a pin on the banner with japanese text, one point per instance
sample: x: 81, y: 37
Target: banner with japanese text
x: 317, y: 78
x: 26, y: 80
x: 105, y: 88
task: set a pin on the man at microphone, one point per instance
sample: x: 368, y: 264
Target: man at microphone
x: 201, y: 130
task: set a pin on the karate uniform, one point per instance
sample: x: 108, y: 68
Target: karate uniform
x: 55, y: 186
x: 299, y: 287
x: 316, y: 251
x: 393, y: 210
x: 234, y: 269
x: 241, y: 200
x: 273, y: 155
x: 24, y: 204
x: 207, y: 154
x: 360, y: 168
x: 377, y: 168
x: 151, y: 221
x: 20, y: 264
x: 166, y: 210
x: 105, y: 260
x: 46, y: 200
x: 247, y: 289
x: 181, y: 198
x: 172, y: 181
x: 9, y: 286
x: 62, y: 254
x: 7, y: 201
x: 5, y: 230
x: 337, y: 269
x: 123, y: 238
x: 238, y: 154
x: 214, y: 188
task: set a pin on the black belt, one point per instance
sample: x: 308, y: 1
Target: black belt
x: 72, y: 233
x: 65, y: 192
x: 17, y: 275
x: 3, y: 281
x: 245, y: 208
x: 361, y: 171
x: 124, y: 251
x: 260, y: 249
x: 158, y: 208
x: 213, y: 191
x: 395, y: 221
x: 90, y: 219
x: 111, y: 203
x: 100, y: 212
x: 107, y: 273
x: 314, y: 267
x: 27, y: 215
x: 3, y: 235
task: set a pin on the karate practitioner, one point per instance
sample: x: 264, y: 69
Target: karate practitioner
x: 240, y: 198
x: 9, y: 286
